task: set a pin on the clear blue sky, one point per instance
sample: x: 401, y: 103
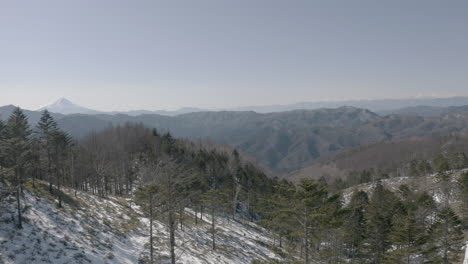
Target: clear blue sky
x: 121, y: 55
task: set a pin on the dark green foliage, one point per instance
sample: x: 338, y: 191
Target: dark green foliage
x: 446, y: 238
x: 425, y: 167
x: 355, y: 223
x: 407, y: 234
x: 382, y: 207
x: 16, y: 151
x: 414, y: 169
x: 441, y: 164
x: 463, y: 184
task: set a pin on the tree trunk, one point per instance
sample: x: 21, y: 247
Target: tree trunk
x: 213, y: 229
x: 201, y: 212
x: 306, y: 237
x: 181, y: 218
x: 59, y: 193
x: 172, y: 234
x: 49, y: 169
x: 18, y: 201
x: 151, y: 229
x: 236, y: 196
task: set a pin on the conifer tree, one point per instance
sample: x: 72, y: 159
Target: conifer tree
x: 46, y: 128
x: 463, y: 195
x: 61, y: 142
x: 2, y: 138
x: 441, y: 164
x: 379, y: 215
x: 276, y: 210
x: 446, y: 238
x: 2, y: 129
x: 215, y: 200
x: 16, y: 151
x: 356, y: 226
x: 407, y: 236
x: 310, y: 200
x: 425, y: 167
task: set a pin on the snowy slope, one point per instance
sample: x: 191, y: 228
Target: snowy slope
x: 427, y: 183
x: 90, y: 229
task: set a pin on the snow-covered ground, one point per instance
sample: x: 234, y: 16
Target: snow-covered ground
x: 465, y: 259
x: 428, y: 183
x: 90, y: 229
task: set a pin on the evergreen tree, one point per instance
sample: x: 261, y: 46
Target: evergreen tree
x: 425, y: 167
x: 446, y: 238
x: 46, y: 128
x: 61, y: 143
x: 463, y: 184
x: 311, y: 199
x: 413, y: 169
x: 407, y: 236
x: 441, y: 164
x: 380, y: 213
x: 356, y: 226
x: 426, y: 211
x: 276, y: 212
x: 2, y: 129
x: 16, y: 151
x: 217, y: 203
x: 2, y: 138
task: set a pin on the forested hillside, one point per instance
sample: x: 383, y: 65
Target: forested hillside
x: 405, y: 157
x: 195, y: 189
x: 284, y: 141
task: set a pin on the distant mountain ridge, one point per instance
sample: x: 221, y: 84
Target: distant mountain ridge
x: 283, y: 141
x: 380, y: 106
x: 66, y: 107
x: 375, y: 105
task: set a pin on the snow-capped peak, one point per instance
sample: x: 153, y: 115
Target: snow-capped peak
x: 65, y: 106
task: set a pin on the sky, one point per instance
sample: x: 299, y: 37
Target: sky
x: 149, y: 54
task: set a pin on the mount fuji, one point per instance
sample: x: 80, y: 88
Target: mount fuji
x: 66, y: 107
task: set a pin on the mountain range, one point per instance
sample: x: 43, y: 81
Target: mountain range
x: 66, y: 107
x: 418, y: 106
x: 283, y: 141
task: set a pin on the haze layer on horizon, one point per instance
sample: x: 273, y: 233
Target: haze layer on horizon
x: 123, y: 55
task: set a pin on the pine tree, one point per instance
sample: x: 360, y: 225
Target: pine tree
x: 311, y: 199
x: 463, y: 184
x: 446, y: 238
x: 16, y: 150
x: 2, y: 129
x: 2, y: 138
x: 46, y: 128
x: 425, y: 167
x: 379, y: 215
x: 61, y: 142
x: 276, y: 211
x: 356, y: 226
x: 413, y: 169
x: 216, y: 201
x: 463, y: 160
x: 441, y: 164
x: 407, y: 236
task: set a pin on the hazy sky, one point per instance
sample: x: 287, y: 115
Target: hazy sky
x: 136, y: 54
